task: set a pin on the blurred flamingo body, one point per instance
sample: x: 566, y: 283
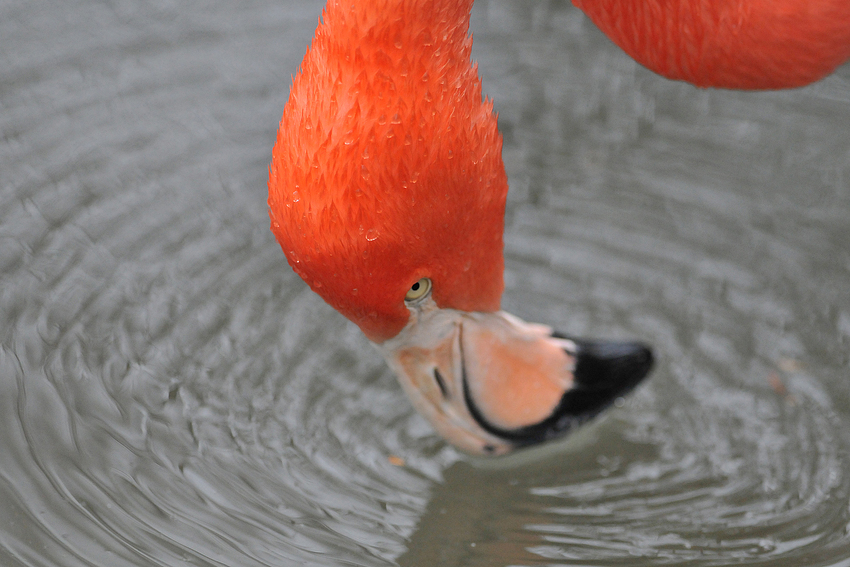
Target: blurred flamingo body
x: 735, y: 44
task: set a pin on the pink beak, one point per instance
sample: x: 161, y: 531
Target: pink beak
x: 491, y: 383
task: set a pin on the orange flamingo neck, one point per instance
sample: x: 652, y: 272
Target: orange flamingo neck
x: 387, y: 166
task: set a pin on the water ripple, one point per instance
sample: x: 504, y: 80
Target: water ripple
x: 174, y: 395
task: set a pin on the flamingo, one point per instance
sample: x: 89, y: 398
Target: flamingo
x: 736, y: 44
x: 387, y: 195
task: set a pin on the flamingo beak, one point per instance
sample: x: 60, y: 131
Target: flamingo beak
x: 491, y: 383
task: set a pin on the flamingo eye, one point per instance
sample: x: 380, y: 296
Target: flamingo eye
x: 418, y: 290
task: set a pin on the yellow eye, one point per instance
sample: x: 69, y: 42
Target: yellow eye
x: 418, y: 290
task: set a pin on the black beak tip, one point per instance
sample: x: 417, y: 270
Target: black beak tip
x: 613, y: 367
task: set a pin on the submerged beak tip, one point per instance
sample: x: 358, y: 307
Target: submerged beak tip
x: 612, y: 366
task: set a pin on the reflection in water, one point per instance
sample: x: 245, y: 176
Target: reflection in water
x: 172, y: 394
x: 631, y: 498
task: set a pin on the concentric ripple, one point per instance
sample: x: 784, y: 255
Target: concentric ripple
x: 172, y: 394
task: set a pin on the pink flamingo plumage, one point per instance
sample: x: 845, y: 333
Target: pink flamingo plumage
x: 387, y: 195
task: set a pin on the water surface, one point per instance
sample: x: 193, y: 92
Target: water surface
x: 173, y: 395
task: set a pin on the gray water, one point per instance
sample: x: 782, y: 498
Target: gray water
x: 173, y: 395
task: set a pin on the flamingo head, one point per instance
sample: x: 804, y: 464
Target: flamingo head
x: 387, y: 194
x: 387, y: 167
